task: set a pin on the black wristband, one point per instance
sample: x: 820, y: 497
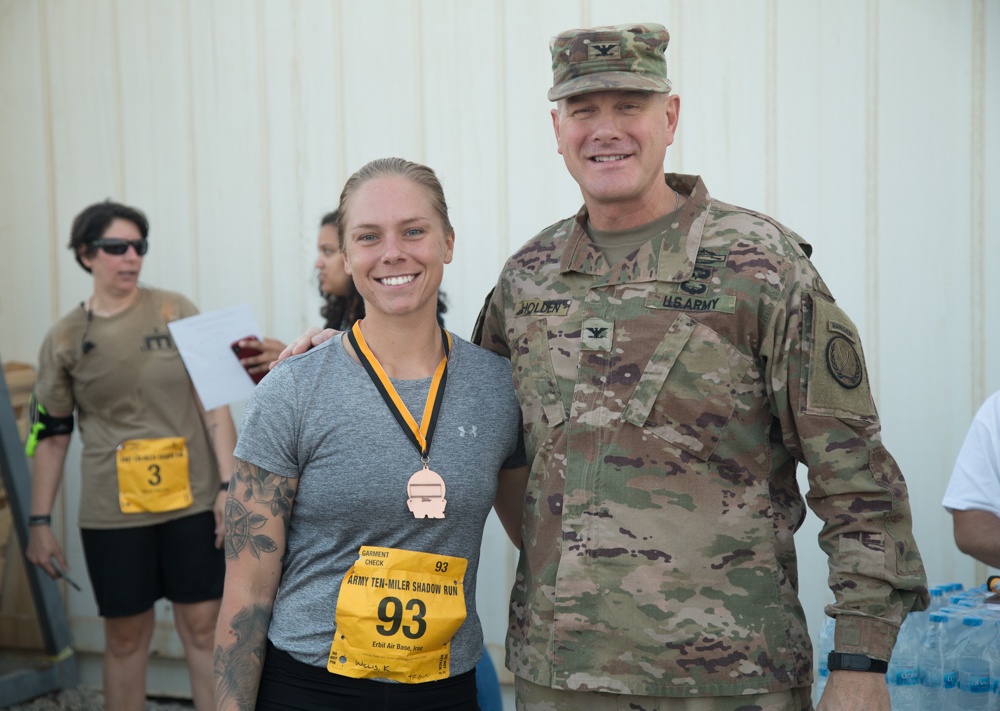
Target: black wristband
x: 841, y: 661
x: 40, y: 520
x: 224, y: 486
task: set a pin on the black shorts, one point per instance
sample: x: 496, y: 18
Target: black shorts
x: 290, y: 685
x: 132, y: 568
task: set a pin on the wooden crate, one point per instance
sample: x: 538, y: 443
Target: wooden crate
x: 18, y: 621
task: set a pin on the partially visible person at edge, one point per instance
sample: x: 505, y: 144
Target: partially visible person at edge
x: 675, y: 357
x: 973, y: 494
x: 353, y: 532
x: 342, y: 306
x: 154, y: 462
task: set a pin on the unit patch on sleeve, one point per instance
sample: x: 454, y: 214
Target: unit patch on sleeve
x: 843, y: 361
x: 837, y: 381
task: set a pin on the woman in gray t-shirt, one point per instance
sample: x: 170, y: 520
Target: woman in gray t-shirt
x: 366, y: 469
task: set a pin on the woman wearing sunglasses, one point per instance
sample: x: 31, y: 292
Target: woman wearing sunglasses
x: 366, y: 469
x: 154, y: 463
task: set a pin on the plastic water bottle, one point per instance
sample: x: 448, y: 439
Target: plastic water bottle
x: 937, y: 674
x: 822, y: 652
x: 993, y: 656
x: 973, y: 666
x: 903, y: 676
x: 937, y: 598
x: 964, y: 600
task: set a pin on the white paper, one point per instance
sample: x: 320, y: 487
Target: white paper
x: 203, y: 342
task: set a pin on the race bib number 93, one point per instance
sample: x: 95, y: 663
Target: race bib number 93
x: 396, y: 615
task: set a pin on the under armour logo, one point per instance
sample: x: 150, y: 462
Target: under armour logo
x: 604, y: 50
x: 471, y: 433
x: 597, y: 332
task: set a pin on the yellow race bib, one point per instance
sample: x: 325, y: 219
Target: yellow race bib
x: 396, y: 615
x: 153, y: 475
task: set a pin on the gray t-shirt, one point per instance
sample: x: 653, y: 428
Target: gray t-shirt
x: 319, y: 417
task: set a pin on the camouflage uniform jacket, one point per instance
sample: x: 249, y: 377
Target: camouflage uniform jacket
x: 666, y: 401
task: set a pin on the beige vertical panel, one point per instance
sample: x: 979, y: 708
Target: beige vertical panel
x: 820, y: 65
x: 873, y: 78
x: 383, y: 83
x: 924, y: 251
x: 819, y: 88
x: 977, y: 206
x: 28, y: 297
x: 723, y: 124
x: 614, y: 12
x: 230, y: 149
x: 985, y: 214
x: 462, y: 147
x: 302, y: 136
x: 86, y: 134
x: 539, y: 191
x: 989, y: 187
x: 155, y: 108
x: 321, y: 130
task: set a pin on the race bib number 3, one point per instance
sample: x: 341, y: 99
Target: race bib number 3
x: 396, y: 615
x: 153, y: 475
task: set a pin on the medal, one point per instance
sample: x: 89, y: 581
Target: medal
x: 425, y: 490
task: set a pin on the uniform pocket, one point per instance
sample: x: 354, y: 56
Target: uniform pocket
x: 687, y: 393
x: 537, y: 381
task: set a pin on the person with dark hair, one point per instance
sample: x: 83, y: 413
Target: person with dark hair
x: 353, y: 527
x: 342, y: 305
x: 155, y: 464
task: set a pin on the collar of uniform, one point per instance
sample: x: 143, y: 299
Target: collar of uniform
x: 679, y: 246
x: 678, y: 249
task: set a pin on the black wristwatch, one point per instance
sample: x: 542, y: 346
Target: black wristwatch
x: 841, y: 661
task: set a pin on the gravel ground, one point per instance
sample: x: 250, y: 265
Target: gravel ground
x: 81, y: 699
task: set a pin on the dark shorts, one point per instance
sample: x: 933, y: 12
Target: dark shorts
x: 289, y: 685
x: 131, y: 568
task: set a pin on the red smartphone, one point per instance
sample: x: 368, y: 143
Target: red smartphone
x: 246, y: 353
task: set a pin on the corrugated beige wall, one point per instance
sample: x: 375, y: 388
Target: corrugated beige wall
x: 870, y: 127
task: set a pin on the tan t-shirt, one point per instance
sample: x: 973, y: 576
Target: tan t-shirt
x: 615, y: 245
x: 131, y: 385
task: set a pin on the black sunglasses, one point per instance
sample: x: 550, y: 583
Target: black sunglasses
x: 118, y: 247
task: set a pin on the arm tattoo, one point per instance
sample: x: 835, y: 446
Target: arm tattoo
x: 243, y: 660
x: 263, y: 487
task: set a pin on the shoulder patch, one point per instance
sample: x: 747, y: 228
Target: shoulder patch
x: 844, y: 363
x: 837, y: 379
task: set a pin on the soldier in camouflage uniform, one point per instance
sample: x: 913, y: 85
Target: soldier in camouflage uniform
x: 675, y: 357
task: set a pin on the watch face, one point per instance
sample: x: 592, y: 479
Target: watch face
x: 855, y: 662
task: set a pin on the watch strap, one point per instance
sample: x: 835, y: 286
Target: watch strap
x: 842, y: 661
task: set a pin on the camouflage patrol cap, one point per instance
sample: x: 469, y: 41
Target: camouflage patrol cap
x: 613, y: 57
